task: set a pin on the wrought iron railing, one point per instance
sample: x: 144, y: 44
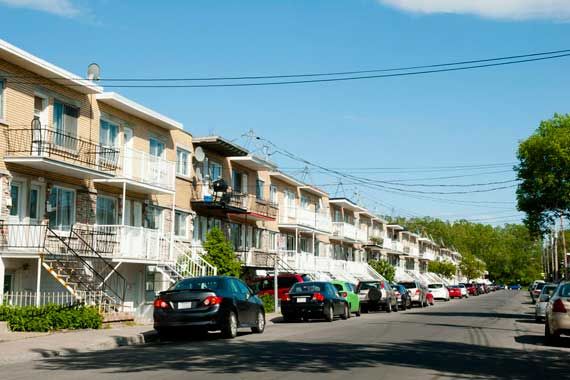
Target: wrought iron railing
x: 49, y: 143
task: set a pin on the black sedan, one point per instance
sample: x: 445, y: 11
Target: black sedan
x: 403, y: 296
x: 314, y: 299
x: 209, y: 304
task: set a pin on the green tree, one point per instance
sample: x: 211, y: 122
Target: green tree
x: 544, y: 158
x: 384, y: 268
x: 444, y: 269
x: 221, y: 254
x: 471, y: 267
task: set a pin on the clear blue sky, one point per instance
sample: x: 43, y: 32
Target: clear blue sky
x: 461, y: 118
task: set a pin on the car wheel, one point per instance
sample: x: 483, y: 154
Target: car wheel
x: 230, y: 326
x: 403, y: 305
x: 329, y: 314
x: 259, y: 323
x: 549, y: 337
x: 395, y: 308
x: 364, y: 308
x: 388, y: 306
x: 346, y: 314
x: 358, y: 312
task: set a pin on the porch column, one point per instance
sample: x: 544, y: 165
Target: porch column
x: 124, y: 204
x: 38, y: 281
x: 172, y: 218
x: 2, y: 273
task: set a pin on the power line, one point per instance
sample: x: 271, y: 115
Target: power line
x: 325, y: 80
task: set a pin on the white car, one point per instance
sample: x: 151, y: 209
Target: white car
x: 542, y: 301
x: 439, y: 291
x: 464, y: 292
x: 557, y: 319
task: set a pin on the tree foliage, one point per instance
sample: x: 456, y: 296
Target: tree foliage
x: 444, y: 269
x: 471, y: 267
x: 510, y: 252
x: 384, y: 268
x: 220, y: 253
x: 544, y: 158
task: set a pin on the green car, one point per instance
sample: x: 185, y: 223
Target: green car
x: 348, y: 291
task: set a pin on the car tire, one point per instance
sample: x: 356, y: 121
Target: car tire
x: 403, y: 308
x: 388, y: 306
x: 259, y: 323
x: 230, y: 325
x: 346, y: 314
x: 395, y: 308
x: 329, y: 314
x: 364, y: 308
x: 359, y: 311
x: 550, y: 338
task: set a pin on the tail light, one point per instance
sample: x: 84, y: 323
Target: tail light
x: 159, y: 303
x: 212, y: 300
x: 397, y: 294
x: 318, y: 297
x: 558, y: 307
x: 418, y: 291
x: 344, y: 294
x: 381, y: 285
x: 285, y: 297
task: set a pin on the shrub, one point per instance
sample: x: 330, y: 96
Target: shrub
x: 268, y: 303
x: 51, y: 317
x: 384, y: 268
x: 220, y: 253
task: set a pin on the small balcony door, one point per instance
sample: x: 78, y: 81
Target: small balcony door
x: 39, y: 132
x: 25, y: 215
x: 128, y: 152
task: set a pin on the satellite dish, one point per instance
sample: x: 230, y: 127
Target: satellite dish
x: 199, y: 154
x: 93, y: 72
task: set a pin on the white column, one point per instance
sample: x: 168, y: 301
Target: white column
x: 2, y: 273
x: 171, y: 250
x: 124, y: 205
x: 38, y: 281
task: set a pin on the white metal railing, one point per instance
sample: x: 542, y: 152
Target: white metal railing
x: 362, y: 235
x: 146, y: 168
x: 188, y: 261
x: 133, y: 243
x: 319, y: 220
x: 344, y: 230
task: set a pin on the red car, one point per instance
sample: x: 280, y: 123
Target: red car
x: 429, y: 298
x: 265, y: 285
x: 454, y: 291
x: 472, y: 289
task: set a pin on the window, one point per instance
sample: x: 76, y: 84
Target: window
x: 2, y: 86
x: 214, y: 170
x: 257, y: 238
x: 236, y: 181
x: 106, y: 212
x: 305, y: 201
x: 153, y: 218
x: 34, y: 202
x: 15, y: 195
x: 182, y: 162
x: 65, y: 125
x: 180, y: 226
x: 273, y: 194
x: 156, y: 147
x: 108, y: 133
x: 259, y: 184
x: 61, y: 208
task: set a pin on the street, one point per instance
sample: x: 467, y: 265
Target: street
x: 492, y: 336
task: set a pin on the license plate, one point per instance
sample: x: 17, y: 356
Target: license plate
x: 301, y: 300
x: 184, y: 305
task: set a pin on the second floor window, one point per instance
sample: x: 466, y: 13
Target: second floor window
x: 259, y: 185
x: 108, y: 133
x: 61, y: 208
x: 273, y: 194
x: 182, y: 162
x: 180, y: 225
x: 156, y: 147
x: 106, y: 211
x: 65, y: 125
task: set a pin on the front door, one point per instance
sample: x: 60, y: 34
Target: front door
x: 16, y: 228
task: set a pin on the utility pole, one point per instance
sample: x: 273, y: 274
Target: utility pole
x: 566, y: 272
x: 555, y: 255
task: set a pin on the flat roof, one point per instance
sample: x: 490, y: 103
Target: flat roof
x: 314, y: 190
x: 253, y: 162
x: 286, y: 178
x: 133, y: 108
x: 395, y: 227
x: 220, y: 145
x: 43, y: 68
x: 347, y: 203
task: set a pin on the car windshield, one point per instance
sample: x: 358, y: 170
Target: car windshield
x: 548, y: 290
x: 409, y: 285
x: 308, y: 287
x: 435, y: 286
x: 198, y: 283
x: 540, y: 286
x: 564, y: 291
x: 368, y: 285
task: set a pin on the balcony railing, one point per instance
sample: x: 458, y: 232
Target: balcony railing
x: 261, y: 207
x: 45, y: 142
x: 19, y: 236
x: 146, y: 168
x: 304, y: 217
x: 344, y: 230
x: 133, y: 243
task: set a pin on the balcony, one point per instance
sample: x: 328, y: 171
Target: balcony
x: 344, y: 231
x: 297, y: 216
x: 46, y: 149
x: 143, y: 172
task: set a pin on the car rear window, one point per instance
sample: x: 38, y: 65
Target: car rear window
x: 549, y: 289
x: 564, y: 291
x: 435, y: 286
x: 199, y: 283
x: 308, y: 287
x: 368, y: 285
x: 409, y: 285
x: 338, y: 287
x: 540, y: 286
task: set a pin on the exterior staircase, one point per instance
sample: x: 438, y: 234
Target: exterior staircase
x: 188, y: 262
x: 81, y: 269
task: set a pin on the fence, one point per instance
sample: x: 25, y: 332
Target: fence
x: 28, y: 298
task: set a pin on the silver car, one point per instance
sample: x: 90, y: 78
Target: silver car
x: 557, y: 318
x: 542, y: 301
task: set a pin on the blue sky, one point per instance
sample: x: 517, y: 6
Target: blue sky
x: 463, y: 118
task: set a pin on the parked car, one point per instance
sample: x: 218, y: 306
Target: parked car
x: 209, y: 303
x: 439, y: 291
x: 376, y: 295
x: 265, y: 285
x: 454, y: 291
x: 542, y: 301
x: 463, y: 289
x: 314, y: 299
x: 403, y: 296
x: 481, y: 288
x: 536, y: 290
x: 417, y: 292
x: 429, y: 299
x: 557, y: 318
x: 472, y: 289
x: 348, y: 291
x: 515, y: 286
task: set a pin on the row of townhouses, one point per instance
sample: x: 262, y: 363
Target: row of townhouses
x: 103, y: 197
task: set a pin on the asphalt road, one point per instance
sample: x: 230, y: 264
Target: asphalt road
x: 492, y: 336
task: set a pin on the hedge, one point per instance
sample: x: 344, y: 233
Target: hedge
x: 268, y: 303
x: 50, y: 317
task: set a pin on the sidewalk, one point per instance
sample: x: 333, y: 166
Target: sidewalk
x: 17, y: 347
